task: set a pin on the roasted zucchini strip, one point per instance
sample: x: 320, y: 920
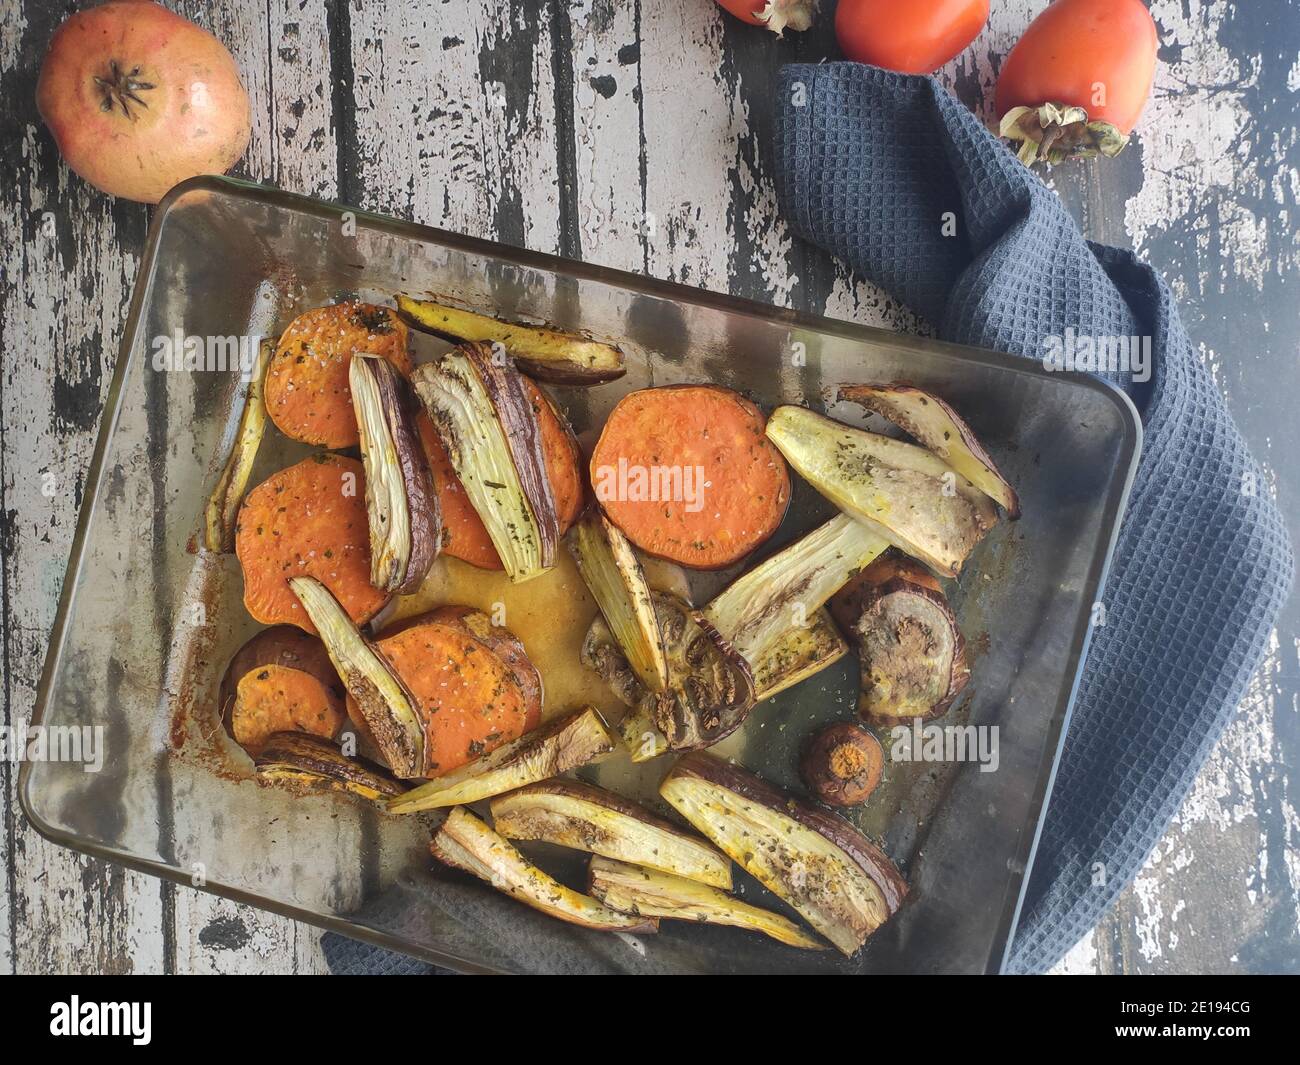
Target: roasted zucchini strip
x: 389, y: 709
x: 785, y: 592
x: 838, y: 881
x: 222, y: 512
x: 796, y: 656
x: 482, y: 413
x: 899, y: 490
x: 654, y: 893
x: 613, y: 573
x: 465, y: 842
x: 571, y: 813
x: 937, y: 427
x: 555, y: 748
x: 306, y: 759
x: 402, y: 509
x: 547, y: 354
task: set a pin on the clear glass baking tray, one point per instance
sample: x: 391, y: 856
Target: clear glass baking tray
x: 147, y: 621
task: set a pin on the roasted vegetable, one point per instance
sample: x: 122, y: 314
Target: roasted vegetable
x: 558, y: 746
x: 686, y: 473
x: 842, y: 764
x: 755, y: 612
x: 846, y: 605
x: 800, y: 653
x: 637, y: 729
x: 913, y: 655
x: 281, y: 645
x: 898, y: 489
x: 405, y: 522
x: 391, y: 713
x: 307, y: 521
x: 464, y: 842
x: 483, y: 415
x: 938, y: 428
x: 297, y: 757
x: 561, y: 456
x: 307, y: 393
x: 547, y: 354
x: 573, y: 814
x: 652, y: 893
x: 612, y: 572
x: 220, y: 518
x: 837, y: 879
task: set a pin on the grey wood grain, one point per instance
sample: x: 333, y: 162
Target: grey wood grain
x: 636, y: 134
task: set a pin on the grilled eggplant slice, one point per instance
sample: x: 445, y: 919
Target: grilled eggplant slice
x: 936, y: 426
x: 613, y: 573
x: 390, y: 711
x: 298, y: 757
x: 637, y: 729
x: 837, y: 879
x: 842, y: 764
x: 558, y: 746
x: 401, y: 505
x: 901, y: 491
x: 546, y: 354
x: 756, y: 611
x: 487, y: 425
x: 465, y: 842
x: 847, y: 604
x: 800, y: 653
x: 220, y: 517
x: 653, y: 893
x: 574, y: 814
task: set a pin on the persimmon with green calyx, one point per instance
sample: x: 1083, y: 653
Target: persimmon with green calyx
x: 908, y: 36
x: 139, y: 99
x: 1078, y: 80
x: 777, y: 15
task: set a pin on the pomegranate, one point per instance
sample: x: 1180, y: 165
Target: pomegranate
x: 138, y: 99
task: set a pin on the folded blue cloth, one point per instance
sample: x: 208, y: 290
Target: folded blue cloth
x: 867, y: 165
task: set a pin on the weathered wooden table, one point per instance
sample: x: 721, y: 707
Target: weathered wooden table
x: 636, y: 134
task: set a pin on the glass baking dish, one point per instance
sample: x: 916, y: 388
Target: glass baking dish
x: 147, y: 621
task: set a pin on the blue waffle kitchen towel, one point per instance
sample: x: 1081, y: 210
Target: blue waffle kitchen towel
x: 867, y: 163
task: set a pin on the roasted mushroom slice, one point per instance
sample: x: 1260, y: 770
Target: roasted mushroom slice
x: 802, y: 652
x: 304, y: 759
x: 901, y: 491
x: 837, y: 879
x: 401, y: 506
x: 221, y: 515
x: 555, y: 748
x: 842, y: 764
x: 390, y: 711
x: 758, y: 609
x: 913, y: 655
x: 613, y: 573
x: 547, y: 354
x: 574, y: 814
x: 464, y: 842
x: 936, y: 426
x: 482, y: 413
x: 653, y: 893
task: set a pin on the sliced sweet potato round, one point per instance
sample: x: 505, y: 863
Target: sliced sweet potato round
x: 307, y: 520
x: 273, y: 699
x: 307, y: 393
x: 688, y: 474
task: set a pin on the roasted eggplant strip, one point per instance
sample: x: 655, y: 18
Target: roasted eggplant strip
x: 936, y: 426
x: 636, y: 729
x: 654, y: 893
x: 390, y: 711
x: 221, y: 516
x: 574, y: 814
x: 547, y: 354
x: 402, y: 508
x: 838, y: 881
x: 901, y: 491
x: 613, y: 573
x: 482, y: 413
x: 558, y: 746
x: 304, y: 759
x: 757, y: 610
x: 464, y: 842
x: 802, y: 652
